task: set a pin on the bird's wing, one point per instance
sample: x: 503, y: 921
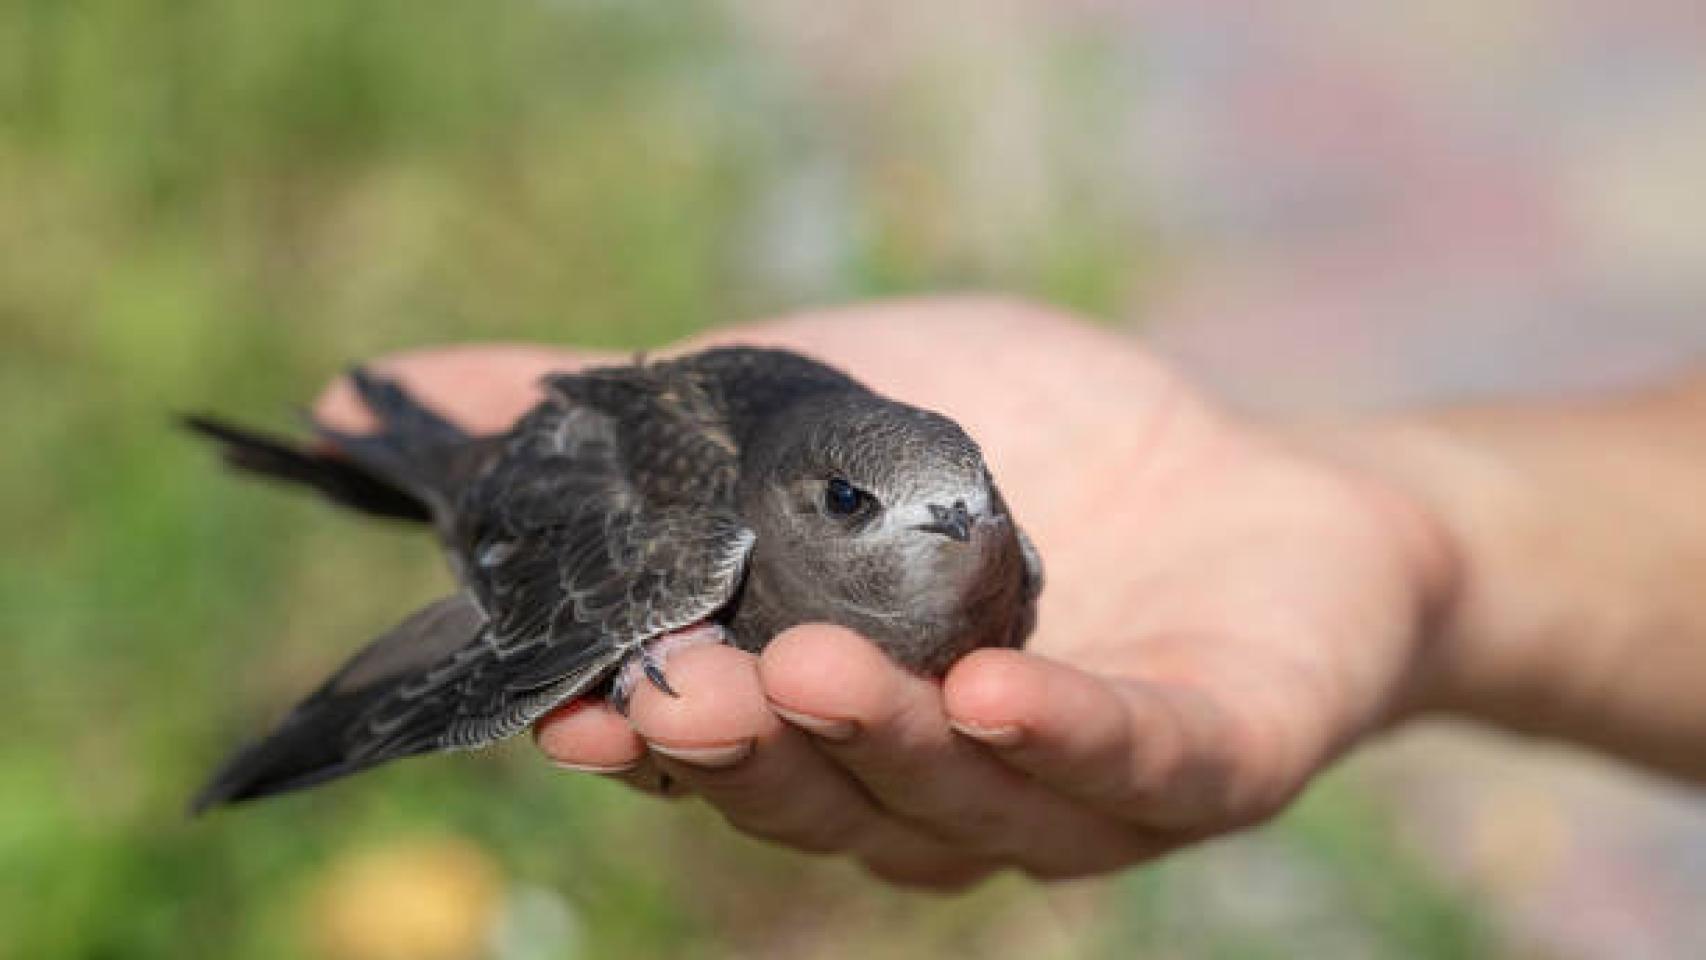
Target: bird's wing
x: 573, y: 568
x: 605, y: 581
x: 563, y: 610
x: 567, y: 570
x: 611, y: 510
x: 452, y: 677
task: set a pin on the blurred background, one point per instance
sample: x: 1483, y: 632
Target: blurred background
x: 220, y: 203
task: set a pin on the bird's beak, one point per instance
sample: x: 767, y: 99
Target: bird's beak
x: 955, y: 521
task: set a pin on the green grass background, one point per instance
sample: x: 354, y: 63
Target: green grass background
x: 219, y: 203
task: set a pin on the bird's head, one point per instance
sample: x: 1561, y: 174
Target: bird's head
x: 884, y: 510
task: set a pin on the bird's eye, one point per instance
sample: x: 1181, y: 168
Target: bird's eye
x: 842, y: 499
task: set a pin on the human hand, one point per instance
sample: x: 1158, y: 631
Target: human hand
x: 1224, y: 614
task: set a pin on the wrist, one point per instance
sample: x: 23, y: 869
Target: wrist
x: 1388, y: 467
x: 1417, y: 479
x: 1447, y: 488
x: 1564, y: 597
x: 1521, y: 631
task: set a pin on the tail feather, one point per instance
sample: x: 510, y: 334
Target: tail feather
x: 402, y: 416
x: 405, y: 470
x: 337, y: 478
x: 415, y: 448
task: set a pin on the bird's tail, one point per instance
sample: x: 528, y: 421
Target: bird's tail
x: 406, y: 469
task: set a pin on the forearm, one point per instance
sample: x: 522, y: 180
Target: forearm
x: 1577, y: 608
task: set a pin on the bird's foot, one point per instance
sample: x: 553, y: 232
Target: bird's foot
x: 648, y: 660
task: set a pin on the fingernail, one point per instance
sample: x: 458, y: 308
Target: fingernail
x: 602, y: 769
x: 828, y: 728
x: 712, y: 757
x: 994, y: 736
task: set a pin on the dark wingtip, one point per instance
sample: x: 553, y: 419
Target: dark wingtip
x: 269, y: 768
x: 211, y: 796
x: 240, y: 776
x: 220, y: 791
x: 224, y: 792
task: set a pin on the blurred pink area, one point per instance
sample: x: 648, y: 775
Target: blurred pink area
x: 1336, y: 205
x: 1329, y: 203
x: 1377, y: 203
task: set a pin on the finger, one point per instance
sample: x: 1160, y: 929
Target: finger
x: 482, y: 388
x: 1158, y: 754
x: 886, y: 728
x: 589, y: 736
x: 721, y: 740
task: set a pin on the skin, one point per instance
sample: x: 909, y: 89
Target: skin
x: 1230, y: 605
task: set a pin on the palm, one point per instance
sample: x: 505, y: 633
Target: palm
x: 1264, y: 588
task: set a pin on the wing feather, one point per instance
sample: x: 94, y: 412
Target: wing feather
x: 568, y: 567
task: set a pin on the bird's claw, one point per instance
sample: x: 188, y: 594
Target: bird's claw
x: 648, y: 660
x: 654, y: 673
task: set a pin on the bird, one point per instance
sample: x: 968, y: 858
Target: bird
x: 720, y: 496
